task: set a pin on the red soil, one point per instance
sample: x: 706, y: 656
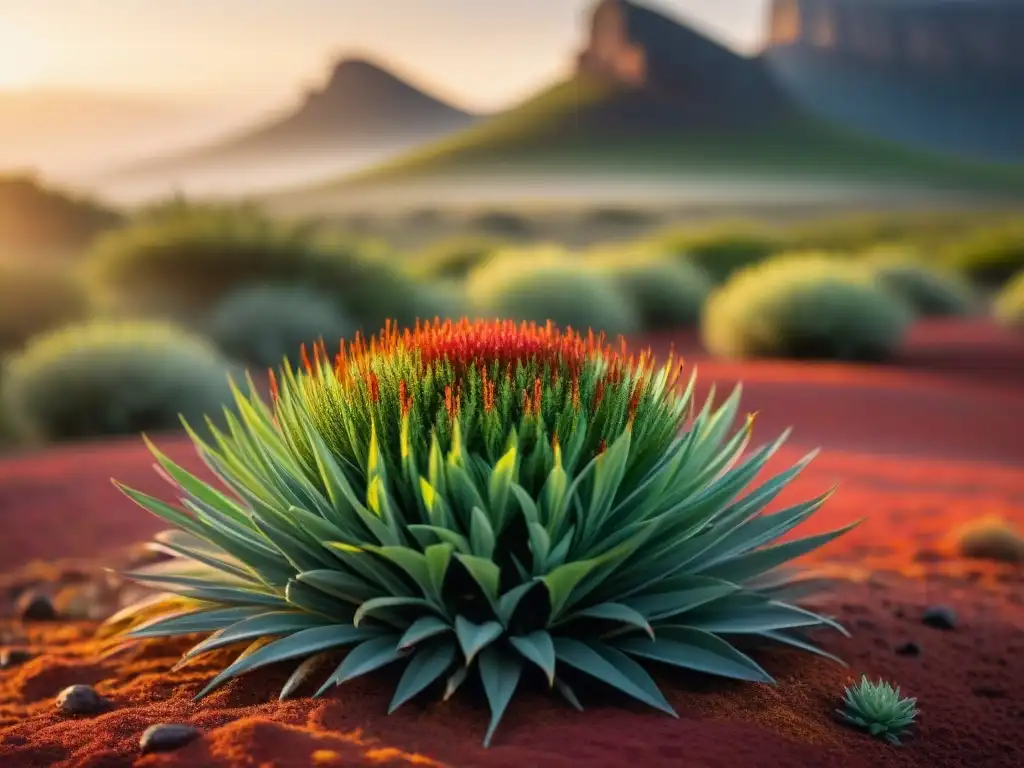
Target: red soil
x: 956, y: 454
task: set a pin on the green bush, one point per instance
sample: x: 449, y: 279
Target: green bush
x: 453, y: 258
x: 989, y: 256
x: 804, y: 306
x: 481, y: 503
x: 183, y: 262
x: 549, y: 284
x: 930, y: 291
x: 666, y: 292
x: 100, y: 378
x: 7, y: 437
x: 502, y: 223
x: 618, y: 217
x: 1009, y: 304
x: 719, y: 251
x: 36, y: 219
x: 261, y: 325
x: 34, y: 300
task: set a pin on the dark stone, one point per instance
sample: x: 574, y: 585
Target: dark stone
x: 928, y: 556
x: 908, y: 649
x: 939, y: 617
x: 165, y: 737
x: 988, y: 692
x: 35, y: 606
x: 12, y: 657
x: 81, y: 700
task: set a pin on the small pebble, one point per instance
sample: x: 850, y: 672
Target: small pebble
x: 35, y: 606
x: 165, y: 737
x: 939, y: 617
x: 81, y: 700
x: 908, y: 649
x: 12, y: 657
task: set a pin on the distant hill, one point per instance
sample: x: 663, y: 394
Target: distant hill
x: 39, y: 221
x: 651, y: 95
x: 362, y: 108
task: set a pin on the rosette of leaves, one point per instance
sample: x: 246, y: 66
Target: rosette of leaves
x: 879, y: 709
x: 508, y: 502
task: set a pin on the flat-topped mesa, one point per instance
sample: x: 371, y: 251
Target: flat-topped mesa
x: 936, y: 37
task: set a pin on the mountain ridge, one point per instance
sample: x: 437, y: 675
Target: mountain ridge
x: 361, y: 106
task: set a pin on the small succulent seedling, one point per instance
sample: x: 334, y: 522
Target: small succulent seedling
x: 879, y: 709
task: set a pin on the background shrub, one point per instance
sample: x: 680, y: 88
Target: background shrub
x: 1009, y: 304
x: 719, y: 251
x: 666, y: 292
x: 804, y: 306
x: 35, y: 299
x: 453, y: 258
x: 549, y: 284
x: 989, y: 256
x: 260, y: 325
x: 929, y: 291
x: 183, y: 262
x: 502, y: 223
x: 101, y: 378
x: 38, y: 219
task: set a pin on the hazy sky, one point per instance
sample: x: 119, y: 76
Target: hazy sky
x: 481, y: 53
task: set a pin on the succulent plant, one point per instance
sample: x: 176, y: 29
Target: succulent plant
x: 879, y: 709
x: 480, y: 498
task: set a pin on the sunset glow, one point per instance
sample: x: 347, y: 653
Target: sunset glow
x: 21, y: 62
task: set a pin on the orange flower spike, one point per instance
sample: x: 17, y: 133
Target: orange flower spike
x: 634, y: 402
x: 374, y: 386
x: 404, y: 401
x: 306, y: 364
x: 275, y: 393
x: 449, y: 404
x: 575, y: 392
x: 537, y: 394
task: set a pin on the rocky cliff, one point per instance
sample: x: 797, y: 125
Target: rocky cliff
x: 637, y: 46
x: 945, y: 75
